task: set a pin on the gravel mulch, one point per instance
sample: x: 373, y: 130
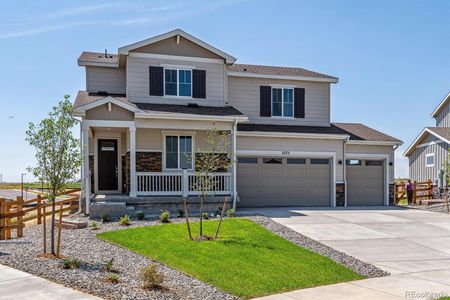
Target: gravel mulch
x: 93, y: 254
x: 438, y: 207
x: 299, y: 239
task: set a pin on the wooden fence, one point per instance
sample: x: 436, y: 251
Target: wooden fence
x: 14, y: 213
x: 422, y: 191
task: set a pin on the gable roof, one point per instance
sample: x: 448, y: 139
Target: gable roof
x: 355, y: 132
x: 273, y: 71
x: 442, y: 133
x: 125, y: 49
x: 98, y: 59
x: 441, y: 105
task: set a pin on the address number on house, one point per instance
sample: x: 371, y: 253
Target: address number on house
x: 285, y: 152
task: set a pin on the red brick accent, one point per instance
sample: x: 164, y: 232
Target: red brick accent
x: 145, y: 162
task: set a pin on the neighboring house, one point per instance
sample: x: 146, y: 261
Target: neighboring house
x: 146, y: 110
x: 429, y: 151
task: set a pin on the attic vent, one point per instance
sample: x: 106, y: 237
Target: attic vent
x: 193, y: 105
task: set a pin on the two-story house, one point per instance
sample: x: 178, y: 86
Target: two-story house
x: 146, y: 111
x: 429, y: 151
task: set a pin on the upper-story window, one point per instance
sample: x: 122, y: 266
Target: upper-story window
x: 429, y: 160
x: 178, y: 82
x: 283, y: 102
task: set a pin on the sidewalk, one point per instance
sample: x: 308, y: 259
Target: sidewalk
x: 15, y: 284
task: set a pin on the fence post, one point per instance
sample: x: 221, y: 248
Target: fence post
x: 430, y: 189
x: 58, y: 246
x: 2, y: 219
x: 415, y: 192
x: 19, y: 206
x: 44, y: 228
x: 39, y: 209
x: 7, y: 220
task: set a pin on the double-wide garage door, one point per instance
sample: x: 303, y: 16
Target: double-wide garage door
x: 273, y: 181
x: 365, y: 182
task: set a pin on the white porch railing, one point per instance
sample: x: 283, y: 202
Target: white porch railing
x: 172, y: 183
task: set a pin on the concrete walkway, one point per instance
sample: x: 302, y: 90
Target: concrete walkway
x: 413, y: 245
x: 15, y: 284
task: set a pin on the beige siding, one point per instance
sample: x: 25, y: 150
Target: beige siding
x: 244, y: 94
x: 138, y: 81
x: 443, y: 118
x: 417, y: 165
x: 169, y: 46
x: 295, y: 144
x: 117, y: 113
x: 369, y: 149
x: 111, y: 80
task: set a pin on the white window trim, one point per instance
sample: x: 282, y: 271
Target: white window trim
x: 177, y: 96
x: 282, y: 101
x: 426, y: 158
x: 177, y: 134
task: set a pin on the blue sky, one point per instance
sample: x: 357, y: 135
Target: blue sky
x: 392, y: 57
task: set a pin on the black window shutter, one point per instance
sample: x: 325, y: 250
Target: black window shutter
x: 156, y: 81
x: 265, y: 105
x: 198, y: 83
x: 299, y: 102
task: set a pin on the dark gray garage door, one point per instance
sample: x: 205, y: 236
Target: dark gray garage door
x: 365, y: 182
x: 272, y: 181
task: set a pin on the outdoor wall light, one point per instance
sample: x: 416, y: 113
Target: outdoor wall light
x: 340, y: 162
x: 390, y: 163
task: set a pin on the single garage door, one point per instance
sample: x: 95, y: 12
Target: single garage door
x: 365, y: 182
x: 273, y: 181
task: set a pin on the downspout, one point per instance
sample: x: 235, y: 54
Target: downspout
x: 234, y: 164
x: 344, y: 166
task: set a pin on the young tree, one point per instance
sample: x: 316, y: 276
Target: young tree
x: 58, y: 153
x: 215, y: 156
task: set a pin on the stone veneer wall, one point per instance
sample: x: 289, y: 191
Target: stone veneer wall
x: 145, y: 162
x: 391, y: 194
x: 340, y: 194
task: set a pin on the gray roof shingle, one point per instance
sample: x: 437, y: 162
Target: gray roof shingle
x: 188, y: 109
x: 95, y: 57
x: 275, y: 70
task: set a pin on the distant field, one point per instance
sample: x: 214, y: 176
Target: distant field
x: 33, y: 185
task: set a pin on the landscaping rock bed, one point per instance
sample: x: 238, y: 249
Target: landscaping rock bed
x: 350, y: 262
x: 93, y: 255
x: 438, y: 207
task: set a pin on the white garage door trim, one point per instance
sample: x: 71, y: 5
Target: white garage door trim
x: 309, y: 154
x: 384, y: 157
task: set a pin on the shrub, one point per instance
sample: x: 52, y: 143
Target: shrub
x: 113, y: 278
x: 150, y: 277
x: 71, y: 263
x: 125, y: 220
x: 205, y: 216
x: 180, y: 213
x: 218, y: 211
x: 140, y: 215
x: 231, y: 213
x: 105, y: 217
x: 164, y: 216
x: 94, y: 225
x: 109, y: 265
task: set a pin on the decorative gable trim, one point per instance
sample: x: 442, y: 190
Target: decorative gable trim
x: 441, y: 105
x: 177, y: 32
x: 424, y: 132
x: 80, y: 111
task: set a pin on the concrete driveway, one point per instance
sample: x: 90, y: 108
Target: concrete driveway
x: 413, y: 245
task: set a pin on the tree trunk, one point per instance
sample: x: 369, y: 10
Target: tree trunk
x: 201, y: 214
x: 52, y: 229
x: 187, y: 218
x: 446, y: 198
x: 221, y: 217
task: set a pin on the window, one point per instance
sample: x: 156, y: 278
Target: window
x: 178, y: 152
x: 429, y: 160
x: 320, y: 161
x: 275, y: 161
x: 374, y: 163
x: 283, y: 102
x: 353, y: 162
x: 247, y: 160
x: 178, y: 82
x: 296, y: 161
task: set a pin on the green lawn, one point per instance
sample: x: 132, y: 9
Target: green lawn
x: 246, y: 261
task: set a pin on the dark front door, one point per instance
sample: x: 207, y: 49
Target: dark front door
x: 107, y: 165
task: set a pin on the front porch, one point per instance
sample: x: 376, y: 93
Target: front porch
x: 141, y: 163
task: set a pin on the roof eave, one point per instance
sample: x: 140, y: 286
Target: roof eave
x: 440, y: 106
x: 281, y: 134
x: 378, y: 143
x: 412, y: 147
x: 87, y: 63
x: 181, y: 116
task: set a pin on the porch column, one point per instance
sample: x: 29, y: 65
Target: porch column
x: 234, y: 158
x: 133, y: 187
x: 86, y: 172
